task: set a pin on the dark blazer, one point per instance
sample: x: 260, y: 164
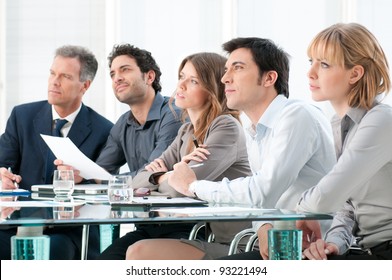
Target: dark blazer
x: 23, y: 149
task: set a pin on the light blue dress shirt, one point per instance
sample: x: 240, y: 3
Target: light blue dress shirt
x: 291, y: 149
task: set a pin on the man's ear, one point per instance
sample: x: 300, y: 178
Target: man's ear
x: 150, y: 77
x: 86, y: 85
x: 270, y: 78
x: 356, y: 74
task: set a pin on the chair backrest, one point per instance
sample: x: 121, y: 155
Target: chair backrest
x: 195, y: 230
x: 237, y: 239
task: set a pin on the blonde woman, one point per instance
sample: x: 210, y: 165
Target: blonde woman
x: 350, y: 70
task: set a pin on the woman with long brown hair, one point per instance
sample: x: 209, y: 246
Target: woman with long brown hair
x: 213, y: 136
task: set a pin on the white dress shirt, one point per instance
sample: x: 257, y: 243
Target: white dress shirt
x: 295, y: 150
x: 70, y: 118
x: 360, y: 184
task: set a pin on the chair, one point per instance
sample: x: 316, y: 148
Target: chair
x: 238, y: 237
x: 195, y: 230
x: 251, y: 243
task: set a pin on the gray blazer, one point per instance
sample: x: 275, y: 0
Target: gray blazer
x: 225, y: 140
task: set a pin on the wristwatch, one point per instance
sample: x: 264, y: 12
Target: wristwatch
x: 192, y: 188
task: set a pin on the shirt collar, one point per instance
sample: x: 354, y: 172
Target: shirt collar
x: 155, y: 110
x: 153, y: 114
x: 270, y: 116
x: 355, y: 114
x: 70, y: 118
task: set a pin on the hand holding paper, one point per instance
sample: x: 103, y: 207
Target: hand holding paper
x: 64, y: 149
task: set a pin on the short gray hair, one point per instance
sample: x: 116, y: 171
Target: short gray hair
x: 88, y: 62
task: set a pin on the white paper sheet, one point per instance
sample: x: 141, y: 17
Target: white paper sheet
x: 94, y: 211
x: 39, y: 203
x: 165, y: 200
x: 214, y: 210
x: 64, y: 149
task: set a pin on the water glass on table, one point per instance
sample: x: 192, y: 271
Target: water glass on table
x: 29, y: 243
x: 64, y: 211
x: 63, y: 183
x: 284, y: 241
x: 120, y: 189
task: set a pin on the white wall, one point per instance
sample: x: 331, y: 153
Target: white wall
x: 34, y: 29
x: 30, y: 31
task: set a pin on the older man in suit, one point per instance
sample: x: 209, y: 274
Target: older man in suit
x: 23, y: 150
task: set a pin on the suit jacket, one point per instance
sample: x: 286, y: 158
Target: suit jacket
x: 23, y: 149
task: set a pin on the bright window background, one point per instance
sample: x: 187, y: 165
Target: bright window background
x: 30, y: 31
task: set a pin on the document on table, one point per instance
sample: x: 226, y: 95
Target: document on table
x: 167, y: 200
x: 39, y: 203
x: 230, y: 210
x: 94, y: 211
x: 160, y: 201
x: 64, y: 149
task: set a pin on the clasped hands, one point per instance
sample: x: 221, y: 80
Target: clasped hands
x: 182, y: 175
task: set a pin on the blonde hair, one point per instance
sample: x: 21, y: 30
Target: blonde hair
x: 351, y: 44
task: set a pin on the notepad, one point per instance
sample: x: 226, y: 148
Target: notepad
x: 149, y: 202
x: 78, y: 189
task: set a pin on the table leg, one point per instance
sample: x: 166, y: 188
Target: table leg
x: 84, y: 249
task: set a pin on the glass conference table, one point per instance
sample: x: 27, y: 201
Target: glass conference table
x: 95, y: 210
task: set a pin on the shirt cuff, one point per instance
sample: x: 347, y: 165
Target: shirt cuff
x: 339, y: 242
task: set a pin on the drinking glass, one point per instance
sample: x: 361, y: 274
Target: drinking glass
x: 284, y: 241
x: 63, y: 183
x: 64, y: 211
x: 120, y: 189
x: 29, y: 243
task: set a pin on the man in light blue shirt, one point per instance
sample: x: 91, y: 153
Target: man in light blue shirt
x: 290, y: 142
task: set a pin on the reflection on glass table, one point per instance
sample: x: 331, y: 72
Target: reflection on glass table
x: 26, y: 211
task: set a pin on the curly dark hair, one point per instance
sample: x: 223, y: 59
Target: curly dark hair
x: 143, y: 58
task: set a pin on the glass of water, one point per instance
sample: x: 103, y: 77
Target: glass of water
x: 63, y: 183
x: 65, y: 209
x: 120, y: 189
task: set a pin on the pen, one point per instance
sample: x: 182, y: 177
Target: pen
x: 191, y: 166
x: 311, y: 238
x: 195, y: 142
x: 15, y: 183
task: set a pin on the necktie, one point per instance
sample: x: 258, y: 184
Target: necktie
x: 59, y: 123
